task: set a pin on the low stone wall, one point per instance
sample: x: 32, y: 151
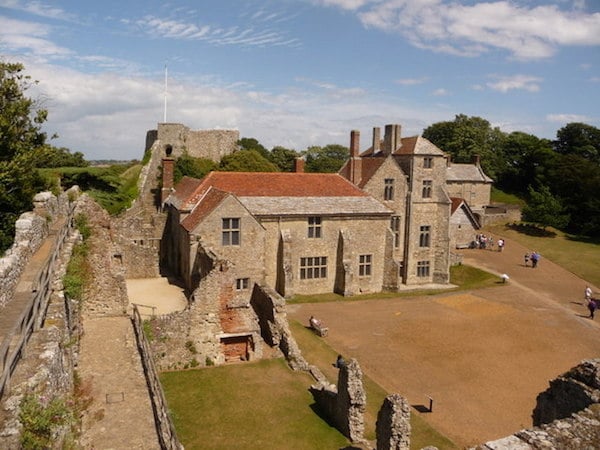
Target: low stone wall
x: 31, y: 229
x: 46, y: 369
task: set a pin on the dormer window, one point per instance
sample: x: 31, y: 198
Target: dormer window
x: 388, y: 190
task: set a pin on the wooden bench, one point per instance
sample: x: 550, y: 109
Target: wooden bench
x: 320, y: 330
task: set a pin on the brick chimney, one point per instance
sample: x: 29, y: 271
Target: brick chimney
x: 475, y: 159
x: 299, y: 165
x: 168, y: 168
x: 391, y: 139
x: 355, y: 159
x: 376, y: 139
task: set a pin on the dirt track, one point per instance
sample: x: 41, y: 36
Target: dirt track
x: 483, y: 356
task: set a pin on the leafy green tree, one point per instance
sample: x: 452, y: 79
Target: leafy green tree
x: 528, y: 159
x: 253, y: 144
x: 187, y: 165
x: 247, y: 161
x: 20, y: 138
x: 545, y: 209
x: 50, y: 156
x: 328, y: 159
x: 579, y: 139
x: 284, y: 158
x: 468, y: 136
x: 577, y: 181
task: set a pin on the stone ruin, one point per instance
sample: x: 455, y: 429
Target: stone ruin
x: 393, y: 424
x: 566, y: 416
x: 344, y: 406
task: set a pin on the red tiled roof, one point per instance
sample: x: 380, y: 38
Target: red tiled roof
x: 271, y: 184
x: 209, y: 202
x: 456, y: 202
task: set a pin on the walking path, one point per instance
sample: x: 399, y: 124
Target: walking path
x: 120, y: 416
x: 482, y: 355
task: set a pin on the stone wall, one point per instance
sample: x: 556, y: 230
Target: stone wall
x: 346, y: 405
x: 567, y: 414
x: 211, y: 144
x: 31, y: 229
x: 393, y: 424
x: 47, y: 367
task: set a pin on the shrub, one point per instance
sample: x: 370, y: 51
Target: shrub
x: 41, y: 421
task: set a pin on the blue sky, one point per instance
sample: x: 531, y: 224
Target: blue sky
x: 298, y: 73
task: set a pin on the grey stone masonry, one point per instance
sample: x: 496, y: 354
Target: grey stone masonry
x: 393, y: 424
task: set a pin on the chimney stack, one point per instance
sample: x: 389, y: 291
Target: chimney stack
x: 376, y: 139
x: 299, y: 165
x: 475, y: 159
x: 168, y: 168
x: 355, y: 159
x: 354, y: 143
x: 391, y: 139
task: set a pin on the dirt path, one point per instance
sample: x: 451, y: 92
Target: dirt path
x: 483, y: 356
x: 120, y: 416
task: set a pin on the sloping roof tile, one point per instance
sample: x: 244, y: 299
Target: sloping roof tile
x: 466, y: 172
x: 206, y: 205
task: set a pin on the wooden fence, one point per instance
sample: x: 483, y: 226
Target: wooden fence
x: 164, y: 426
x: 32, y: 317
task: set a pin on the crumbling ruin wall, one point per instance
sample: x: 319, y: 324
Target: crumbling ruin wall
x: 106, y: 291
x: 393, y: 424
x: 47, y: 367
x: 346, y: 405
x: 567, y: 414
x: 31, y: 229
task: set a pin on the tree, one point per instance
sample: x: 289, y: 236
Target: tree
x: 328, y: 159
x: 579, y: 139
x: 468, y: 136
x: 545, y: 209
x: 528, y: 159
x: 284, y: 158
x: 253, y: 144
x: 187, y: 165
x: 49, y: 156
x: 20, y: 138
x: 247, y: 161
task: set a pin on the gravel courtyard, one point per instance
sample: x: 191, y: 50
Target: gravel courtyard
x: 483, y: 356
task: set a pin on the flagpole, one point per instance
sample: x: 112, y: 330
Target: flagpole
x: 165, y: 113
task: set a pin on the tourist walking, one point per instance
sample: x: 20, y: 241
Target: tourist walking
x: 535, y: 257
x: 588, y: 293
x: 526, y: 257
x: 500, y: 244
x: 592, y: 305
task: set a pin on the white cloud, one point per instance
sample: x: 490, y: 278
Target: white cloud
x: 38, y: 9
x: 410, y: 81
x: 470, y: 29
x: 567, y: 118
x: 441, y: 92
x: 520, y: 82
x: 19, y: 36
x: 176, y: 29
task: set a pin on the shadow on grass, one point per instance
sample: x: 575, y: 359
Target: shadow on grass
x: 531, y: 230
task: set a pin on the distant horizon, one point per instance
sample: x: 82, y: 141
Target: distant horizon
x: 298, y: 73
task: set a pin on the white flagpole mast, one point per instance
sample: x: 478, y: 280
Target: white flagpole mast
x: 165, y: 113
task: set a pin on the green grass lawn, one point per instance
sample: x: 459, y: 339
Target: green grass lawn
x: 261, y: 405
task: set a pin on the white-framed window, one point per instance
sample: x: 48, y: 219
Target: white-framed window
x: 395, y: 227
x: 313, y: 267
x: 427, y: 162
x: 427, y: 184
x: 231, y: 231
x: 425, y: 236
x: 388, y: 189
x: 314, y: 227
x: 365, y: 265
x: 241, y: 284
x: 423, y: 268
